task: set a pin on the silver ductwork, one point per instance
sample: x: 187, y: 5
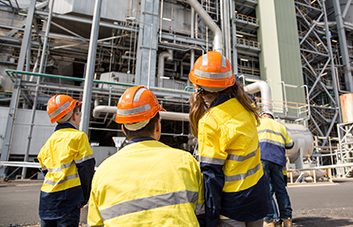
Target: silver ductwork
x: 218, y: 39
x: 165, y: 115
x: 161, y: 57
x: 258, y: 86
x: 264, y: 88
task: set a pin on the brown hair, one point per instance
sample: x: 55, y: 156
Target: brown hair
x: 199, y: 107
x: 146, y: 131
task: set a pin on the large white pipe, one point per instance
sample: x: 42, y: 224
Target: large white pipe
x: 218, y: 40
x: 259, y: 86
x: 160, y: 70
x: 264, y: 88
x: 165, y: 115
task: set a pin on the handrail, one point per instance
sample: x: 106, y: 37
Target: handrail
x: 187, y: 88
x: 11, y: 73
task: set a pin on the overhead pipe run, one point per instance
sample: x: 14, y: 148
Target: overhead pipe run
x: 165, y: 115
x: 258, y: 86
x: 218, y: 39
x: 169, y: 56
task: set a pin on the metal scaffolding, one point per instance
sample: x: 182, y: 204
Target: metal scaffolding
x: 324, y: 69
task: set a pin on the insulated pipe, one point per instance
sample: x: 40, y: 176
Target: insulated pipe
x: 192, y: 51
x: 165, y: 115
x: 169, y: 56
x: 265, y: 90
x: 259, y: 86
x: 218, y: 40
x: 103, y: 109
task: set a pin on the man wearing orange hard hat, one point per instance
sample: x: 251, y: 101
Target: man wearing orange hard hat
x: 147, y: 183
x: 68, y: 163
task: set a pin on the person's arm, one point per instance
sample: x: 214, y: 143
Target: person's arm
x: 200, y: 206
x: 85, y: 163
x: 43, y: 169
x: 289, y: 144
x: 94, y: 217
x: 212, y: 160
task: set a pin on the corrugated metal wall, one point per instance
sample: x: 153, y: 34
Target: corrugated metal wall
x: 280, y: 53
x: 289, y: 51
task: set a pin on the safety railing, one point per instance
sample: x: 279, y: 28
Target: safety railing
x: 246, y: 19
x: 248, y: 44
x: 14, y: 74
x: 291, y: 109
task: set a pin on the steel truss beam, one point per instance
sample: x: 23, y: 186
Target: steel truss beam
x: 318, y: 65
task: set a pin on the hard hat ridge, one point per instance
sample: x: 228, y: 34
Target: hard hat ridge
x: 137, y: 104
x: 59, y: 106
x: 213, y: 72
x: 268, y: 113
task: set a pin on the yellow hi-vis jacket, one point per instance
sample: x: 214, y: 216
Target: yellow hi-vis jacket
x: 68, y: 161
x: 235, y: 185
x: 274, y: 140
x: 147, y: 183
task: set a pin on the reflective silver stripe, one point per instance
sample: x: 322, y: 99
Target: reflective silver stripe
x: 271, y: 142
x: 272, y: 132
x: 290, y: 145
x: 240, y: 158
x: 138, y: 94
x: 54, y: 183
x: 243, y: 175
x: 205, y: 59
x: 224, y: 62
x: 57, y: 99
x: 53, y: 170
x: 215, y: 161
x: 213, y: 75
x: 134, y: 110
x: 149, y: 203
x: 61, y: 108
x: 200, y: 209
x: 84, y: 159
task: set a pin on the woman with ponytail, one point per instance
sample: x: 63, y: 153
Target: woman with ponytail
x: 224, y: 120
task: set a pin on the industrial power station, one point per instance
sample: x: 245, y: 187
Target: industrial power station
x: 294, y: 56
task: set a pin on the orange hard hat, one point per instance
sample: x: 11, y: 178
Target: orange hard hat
x: 212, y: 70
x: 60, y: 105
x: 137, y: 104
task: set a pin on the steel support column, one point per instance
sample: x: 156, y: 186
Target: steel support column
x: 147, y: 48
x: 91, y: 63
x: 5, y: 151
x: 343, y: 45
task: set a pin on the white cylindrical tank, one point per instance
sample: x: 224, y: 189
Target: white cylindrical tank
x: 302, y: 137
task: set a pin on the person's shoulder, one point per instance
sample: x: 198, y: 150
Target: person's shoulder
x: 184, y: 155
x: 74, y: 132
x: 172, y: 149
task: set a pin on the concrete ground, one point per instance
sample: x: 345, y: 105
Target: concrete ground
x: 322, y: 204
x: 314, y: 205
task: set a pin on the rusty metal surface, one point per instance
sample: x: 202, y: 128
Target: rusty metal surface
x: 346, y: 101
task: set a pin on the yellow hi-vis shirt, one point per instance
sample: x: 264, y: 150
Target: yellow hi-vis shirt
x: 229, y: 155
x: 146, y: 183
